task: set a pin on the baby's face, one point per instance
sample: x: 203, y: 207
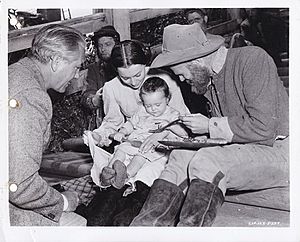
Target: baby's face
x: 155, y: 103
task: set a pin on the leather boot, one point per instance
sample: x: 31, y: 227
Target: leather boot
x: 201, y: 204
x: 161, y: 206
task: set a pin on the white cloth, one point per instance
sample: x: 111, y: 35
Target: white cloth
x: 147, y: 174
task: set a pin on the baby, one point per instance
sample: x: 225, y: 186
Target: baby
x: 154, y: 113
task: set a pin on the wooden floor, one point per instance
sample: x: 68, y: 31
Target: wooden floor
x: 266, y: 208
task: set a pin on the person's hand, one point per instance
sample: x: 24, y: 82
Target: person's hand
x: 100, y: 140
x: 119, y: 136
x: 197, y: 123
x: 96, y: 100
x: 97, y: 137
x: 73, y: 200
x: 152, y: 141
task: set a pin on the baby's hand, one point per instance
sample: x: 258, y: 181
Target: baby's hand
x: 163, y: 123
x: 119, y: 136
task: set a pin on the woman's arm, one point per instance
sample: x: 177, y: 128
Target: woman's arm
x: 114, y: 118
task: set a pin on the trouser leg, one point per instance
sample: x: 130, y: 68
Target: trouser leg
x: 176, y: 170
x: 246, y: 167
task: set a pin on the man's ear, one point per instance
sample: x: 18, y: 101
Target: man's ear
x: 55, y: 62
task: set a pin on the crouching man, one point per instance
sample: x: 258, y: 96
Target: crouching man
x: 56, y: 56
x: 249, y: 110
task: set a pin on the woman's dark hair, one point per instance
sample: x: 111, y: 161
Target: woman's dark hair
x: 130, y: 52
x: 154, y: 84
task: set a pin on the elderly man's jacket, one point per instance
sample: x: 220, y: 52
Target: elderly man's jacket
x: 34, y: 202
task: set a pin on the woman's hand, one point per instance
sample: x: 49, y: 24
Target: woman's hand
x: 100, y: 140
x: 197, y: 123
x: 152, y: 141
x: 96, y: 100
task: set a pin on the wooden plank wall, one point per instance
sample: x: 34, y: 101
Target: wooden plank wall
x: 120, y: 18
x: 21, y: 38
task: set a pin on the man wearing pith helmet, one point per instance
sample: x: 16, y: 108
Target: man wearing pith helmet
x: 249, y: 113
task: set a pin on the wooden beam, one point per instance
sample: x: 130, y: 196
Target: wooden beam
x: 144, y: 14
x: 22, y: 38
x: 223, y: 28
x: 109, y: 16
x: 121, y: 22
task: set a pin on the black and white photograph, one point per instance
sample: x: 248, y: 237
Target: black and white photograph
x: 141, y: 123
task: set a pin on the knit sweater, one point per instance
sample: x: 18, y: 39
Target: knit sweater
x: 251, y: 97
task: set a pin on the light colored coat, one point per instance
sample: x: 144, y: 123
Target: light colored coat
x: 34, y: 202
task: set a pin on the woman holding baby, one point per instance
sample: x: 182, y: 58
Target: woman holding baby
x: 122, y: 99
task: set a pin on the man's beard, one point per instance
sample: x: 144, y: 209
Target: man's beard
x: 104, y: 57
x: 200, y: 78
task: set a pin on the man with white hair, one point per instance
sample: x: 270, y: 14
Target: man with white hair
x: 249, y: 113
x: 56, y: 55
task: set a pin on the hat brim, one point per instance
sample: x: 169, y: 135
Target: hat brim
x: 173, y: 58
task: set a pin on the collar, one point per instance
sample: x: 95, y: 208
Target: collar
x: 219, y: 59
x: 31, y: 65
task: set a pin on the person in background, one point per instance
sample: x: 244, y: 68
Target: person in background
x: 197, y: 15
x: 195, y: 103
x: 56, y: 55
x: 251, y: 27
x: 99, y: 73
x: 250, y: 113
x: 121, y: 101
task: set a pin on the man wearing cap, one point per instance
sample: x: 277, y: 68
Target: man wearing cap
x: 249, y: 111
x: 197, y: 15
x: 100, y: 71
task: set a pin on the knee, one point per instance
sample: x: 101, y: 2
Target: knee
x: 205, y: 160
x: 202, y: 156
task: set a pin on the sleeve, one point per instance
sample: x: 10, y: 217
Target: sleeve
x: 176, y: 100
x: 114, y: 118
x: 258, y: 122
x: 27, y: 127
x: 94, y: 81
x: 132, y: 122
x: 219, y: 128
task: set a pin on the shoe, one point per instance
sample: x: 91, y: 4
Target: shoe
x: 121, y: 174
